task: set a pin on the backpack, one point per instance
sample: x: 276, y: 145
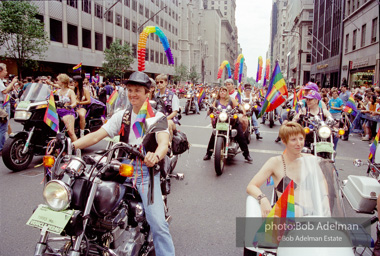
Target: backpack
x: 179, y: 142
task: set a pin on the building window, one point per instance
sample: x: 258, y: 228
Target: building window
x: 225, y: 7
x: 170, y: 12
x: 141, y: 9
x: 161, y: 58
x: 56, y: 30
x: 353, y: 5
x: 347, y: 40
x: 348, y: 7
x: 311, y: 15
x: 364, y: 28
x: 147, y: 54
x: 151, y: 55
x: 86, y: 38
x: 309, y: 44
x: 118, y: 20
x: 157, y: 19
x: 354, y: 39
x: 166, y: 24
x: 170, y: 27
x: 157, y: 59
x: 134, y: 50
x: 225, y: 13
x: 72, y: 34
x: 72, y: 3
x: 134, y: 5
x: 374, y: 30
x: 99, y: 11
x: 108, y: 42
x: 161, y: 22
x: 98, y: 41
x: 158, y: 3
x: 127, y: 23
x: 308, y: 58
x: 127, y: 2
x: 156, y: 37
x: 86, y: 6
x: 134, y: 26
x: 109, y: 16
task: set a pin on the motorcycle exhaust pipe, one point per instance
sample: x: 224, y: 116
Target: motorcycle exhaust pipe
x: 177, y: 176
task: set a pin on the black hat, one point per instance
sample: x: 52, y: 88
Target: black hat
x: 139, y: 78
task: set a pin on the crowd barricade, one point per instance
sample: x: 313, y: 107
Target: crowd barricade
x: 357, y: 124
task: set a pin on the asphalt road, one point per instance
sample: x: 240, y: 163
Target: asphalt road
x: 204, y: 206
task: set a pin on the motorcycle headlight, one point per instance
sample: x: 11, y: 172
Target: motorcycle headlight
x: 223, y: 116
x: 324, y: 132
x: 57, y: 195
x: 188, y: 96
x: 246, y: 106
x: 22, y: 115
x: 197, y: 94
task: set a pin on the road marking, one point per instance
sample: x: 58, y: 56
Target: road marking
x: 272, y: 152
x: 32, y: 173
x: 209, y: 126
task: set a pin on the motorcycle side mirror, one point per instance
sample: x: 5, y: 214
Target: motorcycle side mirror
x: 358, y: 162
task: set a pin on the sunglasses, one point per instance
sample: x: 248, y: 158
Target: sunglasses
x: 160, y: 82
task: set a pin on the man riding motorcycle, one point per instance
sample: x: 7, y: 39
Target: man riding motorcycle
x: 169, y: 100
x: 247, y: 95
x: 121, y: 123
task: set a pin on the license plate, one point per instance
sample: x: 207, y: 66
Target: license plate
x: 23, y: 105
x: 54, y: 220
x: 222, y: 126
x: 324, y: 147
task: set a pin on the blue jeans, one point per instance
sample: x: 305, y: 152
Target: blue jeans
x: 155, y: 213
x: 255, y: 123
x: 196, y: 104
x: 4, y: 127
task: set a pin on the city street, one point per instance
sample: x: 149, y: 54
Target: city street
x: 203, y: 206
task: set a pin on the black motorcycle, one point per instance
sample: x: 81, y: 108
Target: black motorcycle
x: 20, y: 148
x: 91, y: 207
x: 190, y: 102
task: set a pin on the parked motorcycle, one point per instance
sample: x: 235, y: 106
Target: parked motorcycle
x: 90, y: 205
x: 225, y: 144
x: 190, y: 102
x: 20, y: 148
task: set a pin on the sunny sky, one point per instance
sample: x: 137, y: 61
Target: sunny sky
x: 253, y: 22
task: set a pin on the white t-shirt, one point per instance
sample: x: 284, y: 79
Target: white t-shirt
x: 113, y: 127
x: 2, y: 88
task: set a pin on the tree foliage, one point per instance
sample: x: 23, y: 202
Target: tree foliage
x: 22, y: 35
x: 118, y: 59
x: 193, y: 75
x: 251, y: 80
x: 181, y: 73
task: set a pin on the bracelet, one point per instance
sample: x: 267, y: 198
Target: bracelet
x: 260, y: 197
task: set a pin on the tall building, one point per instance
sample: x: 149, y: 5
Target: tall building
x: 327, y: 41
x: 80, y: 30
x: 361, y: 53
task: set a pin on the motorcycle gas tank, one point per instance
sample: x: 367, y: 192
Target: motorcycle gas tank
x: 108, y: 196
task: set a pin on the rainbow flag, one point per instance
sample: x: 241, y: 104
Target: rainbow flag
x: 261, y: 93
x: 113, y: 97
x: 202, y: 95
x: 145, y: 112
x: 266, y: 74
x: 238, y: 95
x: 270, y: 181
x: 259, y: 69
x: 295, y: 101
x: 283, y: 209
x: 276, y: 90
x: 350, y: 106
x: 372, y: 149
x: 6, y: 100
x: 78, y: 67
x: 51, y: 116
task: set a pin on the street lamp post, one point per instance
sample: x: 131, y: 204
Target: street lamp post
x: 287, y: 33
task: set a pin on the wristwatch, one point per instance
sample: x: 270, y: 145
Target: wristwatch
x: 260, y: 197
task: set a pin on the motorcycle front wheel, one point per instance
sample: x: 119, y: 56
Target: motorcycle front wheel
x: 187, y: 108
x: 13, y: 157
x: 271, y: 120
x: 219, y: 156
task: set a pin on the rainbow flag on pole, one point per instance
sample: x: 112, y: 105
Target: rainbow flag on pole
x: 113, y: 97
x: 202, y: 95
x: 276, y: 90
x: 78, y: 67
x: 295, y: 101
x: 145, y: 112
x: 6, y: 100
x: 350, y: 106
x: 51, y: 116
x: 282, y: 212
x: 238, y: 95
x: 372, y: 149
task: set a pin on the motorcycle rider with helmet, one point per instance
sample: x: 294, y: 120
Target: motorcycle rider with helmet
x: 169, y: 100
x: 121, y: 123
